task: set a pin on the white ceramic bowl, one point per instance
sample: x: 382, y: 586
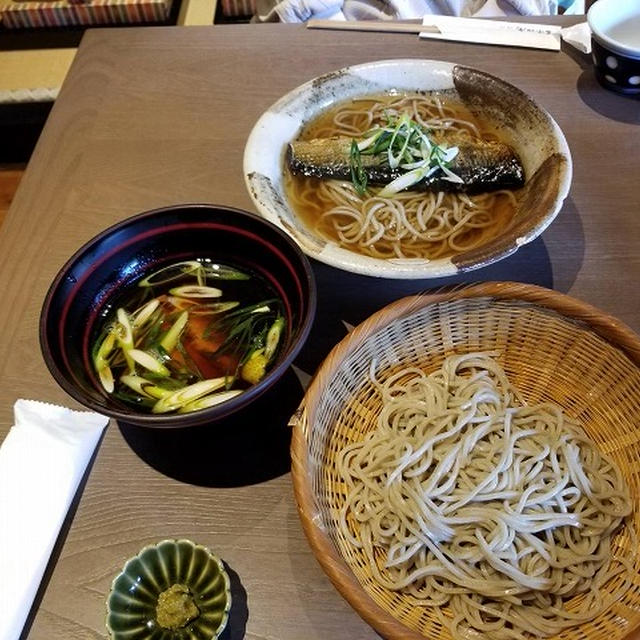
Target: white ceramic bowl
x: 528, y: 128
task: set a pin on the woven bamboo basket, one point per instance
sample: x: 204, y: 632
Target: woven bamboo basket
x: 552, y: 347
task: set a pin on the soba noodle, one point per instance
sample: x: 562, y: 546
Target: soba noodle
x: 410, y: 224
x: 464, y: 496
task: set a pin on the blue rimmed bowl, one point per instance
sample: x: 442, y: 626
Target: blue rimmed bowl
x: 133, y: 600
x: 615, y: 43
x: 94, y: 278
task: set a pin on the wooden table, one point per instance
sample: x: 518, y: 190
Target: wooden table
x: 151, y: 117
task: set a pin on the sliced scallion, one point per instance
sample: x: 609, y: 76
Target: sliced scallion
x: 144, y: 387
x: 142, y: 315
x: 210, y: 400
x: 405, y: 145
x: 171, y: 272
x: 105, y: 348
x: 273, y: 338
x: 149, y: 362
x: 101, y: 363
x: 262, y: 309
x: 406, y: 180
x: 188, y: 394
x: 157, y: 369
x: 124, y: 335
x: 358, y: 174
x: 224, y: 272
x: 106, y: 379
x: 170, y: 339
x: 195, y: 291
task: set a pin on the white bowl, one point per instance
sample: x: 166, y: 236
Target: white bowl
x: 616, y: 23
x: 528, y: 128
x: 615, y: 44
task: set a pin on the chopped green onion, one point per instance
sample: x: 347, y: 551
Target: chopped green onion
x: 106, y: 379
x: 273, y: 338
x: 149, y: 362
x: 447, y: 154
x: 170, y: 339
x: 363, y: 145
x: 224, y: 272
x: 209, y: 401
x: 106, y: 347
x: 139, y: 347
x: 406, y: 180
x: 399, y: 134
x: 358, y: 175
x: 171, y: 272
x: 382, y: 143
x: 188, y: 394
x: 406, y: 145
x: 142, y: 315
x: 144, y: 387
x: 124, y: 330
x: 124, y: 335
x: 195, y: 291
x: 101, y: 364
x: 450, y: 176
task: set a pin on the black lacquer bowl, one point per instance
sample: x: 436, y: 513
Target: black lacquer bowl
x: 133, y: 599
x: 84, y: 290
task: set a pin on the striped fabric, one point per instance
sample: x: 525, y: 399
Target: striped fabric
x: 22, y: 15
x: 236, y: 8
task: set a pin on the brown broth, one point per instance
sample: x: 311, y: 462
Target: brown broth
x: 210, y: 345
x: 310, y: 201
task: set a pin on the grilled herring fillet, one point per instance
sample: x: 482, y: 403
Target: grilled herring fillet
x: 483, y: 166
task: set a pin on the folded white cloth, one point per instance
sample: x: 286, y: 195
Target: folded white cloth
x: 578, y: 36
x: 42, y: 461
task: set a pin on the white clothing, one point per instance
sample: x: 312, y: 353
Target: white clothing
x: 303, y: 10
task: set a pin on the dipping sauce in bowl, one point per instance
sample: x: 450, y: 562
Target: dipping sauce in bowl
x: 150, y: 313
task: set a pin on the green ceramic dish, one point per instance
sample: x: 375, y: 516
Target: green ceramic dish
x: 133, y: 599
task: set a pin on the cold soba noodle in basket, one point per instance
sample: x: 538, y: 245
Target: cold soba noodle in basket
x: 403, y: 176
x: 468, y: 499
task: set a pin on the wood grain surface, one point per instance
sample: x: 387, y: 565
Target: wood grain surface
x: 10, y: 176
x: 156, y: 116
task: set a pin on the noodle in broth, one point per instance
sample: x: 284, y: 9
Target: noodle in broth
x: 411, y: 224
x: 464, y: 496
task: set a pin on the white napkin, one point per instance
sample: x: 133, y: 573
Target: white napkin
x: 578, y: 36
x: 42, y: 461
